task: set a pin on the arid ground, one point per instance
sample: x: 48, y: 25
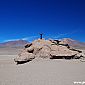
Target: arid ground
x: 39, y: 71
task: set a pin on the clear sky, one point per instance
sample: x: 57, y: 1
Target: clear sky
x: 25, y: 19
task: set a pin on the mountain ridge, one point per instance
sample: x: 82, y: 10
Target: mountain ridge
x: 73, y: 43
x: 16, y: 43
x: 21, y: 43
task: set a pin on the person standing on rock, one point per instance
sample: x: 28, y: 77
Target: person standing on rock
x: 41, y: 35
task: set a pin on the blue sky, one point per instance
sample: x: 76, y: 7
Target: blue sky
x: 25, y: 19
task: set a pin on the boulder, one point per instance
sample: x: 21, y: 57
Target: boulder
x: 44, y: 52
x: 24, y: 57
x: 30, y: 49
x: 61, y: 51
x: 28, y: 45
x: 47, y: 49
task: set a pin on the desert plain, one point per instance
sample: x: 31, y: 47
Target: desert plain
x: 39, y: 71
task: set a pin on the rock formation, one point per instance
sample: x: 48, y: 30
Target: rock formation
x: 51, y: 49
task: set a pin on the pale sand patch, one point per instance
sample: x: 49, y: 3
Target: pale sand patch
x: 40, y: 71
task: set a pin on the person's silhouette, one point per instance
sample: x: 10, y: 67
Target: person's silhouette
x: 41, y: 35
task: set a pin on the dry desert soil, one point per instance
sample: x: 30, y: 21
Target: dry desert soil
x: 39, y: 71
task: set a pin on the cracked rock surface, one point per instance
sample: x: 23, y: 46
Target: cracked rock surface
x: 47, y: 49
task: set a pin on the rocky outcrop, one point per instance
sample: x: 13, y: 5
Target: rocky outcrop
x: 47, y: 49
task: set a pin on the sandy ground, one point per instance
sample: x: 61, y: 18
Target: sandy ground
x: 39, y: 71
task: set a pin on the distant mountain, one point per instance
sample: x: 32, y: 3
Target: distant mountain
x: 21, y: 43
x: 74, y: 43
x: 17, y: 43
